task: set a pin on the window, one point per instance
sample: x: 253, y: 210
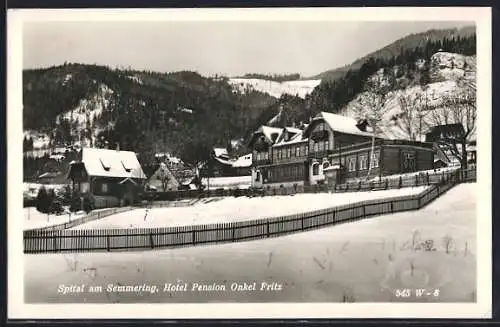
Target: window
x: 104, y: 188
x: 297, y: 151
x: 85, y: 187
x: 327, y: 145
x: 321, y: 146
x: 315, y: 168
x: 288, y: 152
x: 306, y: 150
x: 257, y: 176
x: 258, y: 156
x: 363, y: 162
x: 352, y: 164
x: 375, y: 159
x: 315, y: 147
x: 105, y: 165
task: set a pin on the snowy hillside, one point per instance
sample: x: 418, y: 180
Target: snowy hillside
x: 276, y: 89
x: 449, y: 74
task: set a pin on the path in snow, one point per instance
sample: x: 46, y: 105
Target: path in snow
x: 364, y: 261
x: 238, y: 209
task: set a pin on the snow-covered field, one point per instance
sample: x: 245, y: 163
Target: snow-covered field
x: 241, y: 182
x: 364, y: 261
x: 231, y: 209
x: 276, y: 89
x: 36, y: 219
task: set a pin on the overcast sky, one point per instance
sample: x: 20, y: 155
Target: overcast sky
x: 228, y: 48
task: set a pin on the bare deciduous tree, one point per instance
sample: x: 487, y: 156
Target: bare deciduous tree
x: 370, y: 106
x: 164, y: 176
x: 411, y: 119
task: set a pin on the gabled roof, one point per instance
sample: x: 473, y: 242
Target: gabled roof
x: 338, y: 123
x: 218, y: 152
x: 243, y: 161
x: 268, y: 133
x: 297, y: 138
x: 112, y: 163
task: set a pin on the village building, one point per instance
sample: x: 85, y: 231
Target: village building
x: 448, y: 138
x: 112, y: 177
x: 162, y: 179
x: 221, y: 164
x: 331, y: 149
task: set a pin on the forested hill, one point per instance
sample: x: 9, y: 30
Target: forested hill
x: 407, y: 43
x: 408, y: 66
x: 183, y: 112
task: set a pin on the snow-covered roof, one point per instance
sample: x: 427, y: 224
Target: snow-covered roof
x: 48, y: 175
x: 268, y: 131
x: 293, y: 129
x: 294, y: 139
x: 112, y: 163
x: 243, y: 161
x: 224, y: 161
x: 220, y: 152
x: 342, y: 124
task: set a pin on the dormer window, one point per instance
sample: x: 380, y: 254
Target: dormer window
x: 104, y: 164
x: 126, y: 167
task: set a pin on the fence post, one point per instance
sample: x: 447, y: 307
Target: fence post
x: 151, y: 240
x: 234, y: 233
x: 428, y: 182
x: 400, y: 181
x: 194, y: 236
x: 386, y: 183
x: 416, y: 180
x: 302, y: 223
x: 268, y: 232
x: 392, y: 206
x: 359, y: 185
x: 107, y: 242
x: 55, y: 242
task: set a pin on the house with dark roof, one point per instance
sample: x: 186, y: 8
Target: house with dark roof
x: 112, y: 177
x: 331, y: 149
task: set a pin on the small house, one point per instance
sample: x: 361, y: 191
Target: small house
x: 163, y: 179
x: 112, y: 177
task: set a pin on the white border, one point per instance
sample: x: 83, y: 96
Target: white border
x: 18, y: 310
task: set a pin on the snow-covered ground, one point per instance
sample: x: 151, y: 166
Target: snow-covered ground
x: 238, y: 209
x: 364, y: 261
x: 276, y: 89
x: 241, y: 182
x: 36, y: 219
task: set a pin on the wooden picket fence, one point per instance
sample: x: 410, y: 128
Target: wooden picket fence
x: 43, y: 241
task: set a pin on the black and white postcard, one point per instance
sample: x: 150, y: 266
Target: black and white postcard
x: 249, y: 163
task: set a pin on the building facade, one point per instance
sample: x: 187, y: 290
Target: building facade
x: 112, y: 177
x: 332, y: 149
